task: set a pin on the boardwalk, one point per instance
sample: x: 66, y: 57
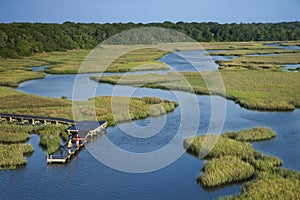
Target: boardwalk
x: 34, y: 119
x: 62, y: 155
x: 85, y: 130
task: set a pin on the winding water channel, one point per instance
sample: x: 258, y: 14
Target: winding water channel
x: 86, y: 177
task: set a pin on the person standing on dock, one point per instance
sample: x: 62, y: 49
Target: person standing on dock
x: 77, y: 140
x: 69, y: 146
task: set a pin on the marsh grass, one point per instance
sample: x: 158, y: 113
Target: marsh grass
x: 13, y: 137
x: 12, y: 156
x: 262, y: 62
x: 13, y: 133
x: 15, y: 71
x: 287, y: 58
x: 275, y: 184
x: 17, y: 133
x: 251, y: 135
x: 140, y: 59
x: 245, y: 52
x: 228, y: 163
x: 233, y: 169
x: 236, y: 45
x: 70, y: 62
x: 242, y: 49
x: 50, y: 136
x: 223, y: 147
x: 264, y: 162
x: 139, y: 80
x: 19, y: 103
x: 127, y: 109
x: 289, y: 43
x: 256, y: 90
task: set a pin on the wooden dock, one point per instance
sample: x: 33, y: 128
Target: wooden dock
x: 85, y: 130
x: 35, y: 119
x: 62, y: 155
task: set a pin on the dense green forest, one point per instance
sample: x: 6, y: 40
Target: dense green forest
x: 25, y: 39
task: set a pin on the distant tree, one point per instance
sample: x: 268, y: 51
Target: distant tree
x: 24, y: 39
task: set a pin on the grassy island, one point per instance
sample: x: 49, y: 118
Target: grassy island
x: 233, y: 169
x: 12, y: 156
x: 233, y: 159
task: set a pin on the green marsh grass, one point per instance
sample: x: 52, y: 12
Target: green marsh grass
x: 223, y: 147
x: 15, y: 71
x: 245, y: 52
x: 138, y: 108
x: 289, y: 43
x: 141, y: 59
x: 50, y: 136
x: 26, y: 104
x: 227, y: 169
x: 256, y: 90
x: 13, y: 133
x: 251, y: 135
x: 227, y: 163
x: 235, y: 45
x: 261, y: 62
x: 277, y: 184
x: 12, y: 156
x: 281, y: 59
x: 70, y: 62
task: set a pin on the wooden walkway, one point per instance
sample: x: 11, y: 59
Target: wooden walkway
x: 62, y: 155
x: 34, y: 119
x: 86, y: 130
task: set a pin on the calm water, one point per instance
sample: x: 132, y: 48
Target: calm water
x: 85, y: 177
x: 284, y: 47
x: 291, y: 68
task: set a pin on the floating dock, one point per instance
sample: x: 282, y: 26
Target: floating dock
x: 62, y: 155
x: 85, y: 130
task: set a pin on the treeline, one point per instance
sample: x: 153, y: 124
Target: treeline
x: 25, y: 39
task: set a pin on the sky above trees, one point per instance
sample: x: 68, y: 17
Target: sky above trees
x: 110, y: 11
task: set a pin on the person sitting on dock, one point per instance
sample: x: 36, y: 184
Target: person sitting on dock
x: 77, y: 140
x: 69, y: 146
